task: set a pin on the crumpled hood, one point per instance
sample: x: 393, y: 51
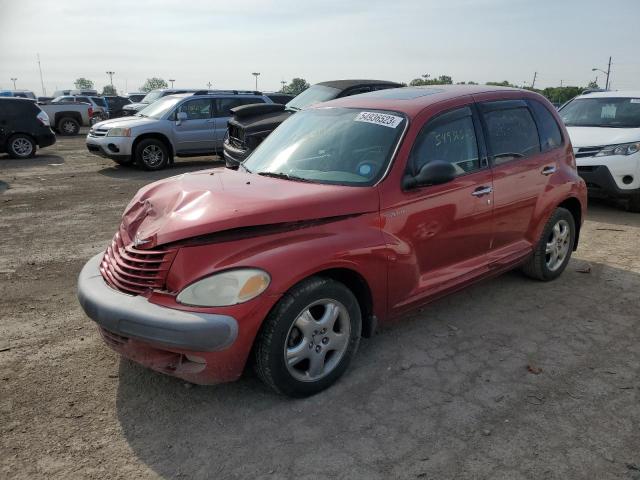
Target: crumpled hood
x: 124, y: 122
x: 260, y: 123
x: 601, y: 136
x: 216, y: 200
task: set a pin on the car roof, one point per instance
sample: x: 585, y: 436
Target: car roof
x: 412, y: 100
x: 613, y: 94
x: 344, y: 84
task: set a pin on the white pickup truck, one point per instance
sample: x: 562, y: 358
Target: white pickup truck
x: 67, y: 117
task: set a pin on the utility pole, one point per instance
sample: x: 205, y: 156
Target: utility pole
x: 208, y: 85
x: 14, y: 82
x: 172, y: 80
x: 283, y: 82
x: 256, y: 74
x: 44, y: 90
x: 561, y: 83
x: 111, y: 74
x: 608, y: 73
x: 533, y: 84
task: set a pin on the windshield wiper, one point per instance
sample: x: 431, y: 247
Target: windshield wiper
x: 284, y: 176
x: 245, y: 168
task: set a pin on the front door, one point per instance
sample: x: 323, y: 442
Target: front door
x: 440, y: 234
x: 195, y: 134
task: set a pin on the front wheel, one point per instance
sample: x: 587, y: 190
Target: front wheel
x: 309, y: 338
x: 554, y: 248
x: 21, y: 146
x: 152, y: 154
x: 68, y: 126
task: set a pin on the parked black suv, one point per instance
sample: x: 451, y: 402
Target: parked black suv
x: 23, y: 127
x: 251, y: 124
x: 115, y: 104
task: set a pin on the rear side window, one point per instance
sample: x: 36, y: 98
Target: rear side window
x: 224, y: 105
x: 550, y: 136
x: 450, y: 138
x: 99, y: 101
x: 512, y: 134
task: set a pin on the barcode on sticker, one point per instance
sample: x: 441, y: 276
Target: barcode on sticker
x: 635, y: 100
x: 384, y: 119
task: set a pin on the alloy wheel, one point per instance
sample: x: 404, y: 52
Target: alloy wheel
x: 152, y: 156
x: 22, y: 147
x: 558, y: 245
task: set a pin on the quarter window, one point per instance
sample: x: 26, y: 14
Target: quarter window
x: 199, y: 109
x: 512, y: 134
x: 550, y: 136
x: 450, y: 138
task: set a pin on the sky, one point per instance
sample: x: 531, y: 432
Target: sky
x: 223, y: 42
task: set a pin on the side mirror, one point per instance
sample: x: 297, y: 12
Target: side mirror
x: 181, y: 117
x: 431, y: 173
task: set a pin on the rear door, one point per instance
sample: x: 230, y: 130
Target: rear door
x: 223, y: 113
x: 520, y: 173
x: 195, y: 134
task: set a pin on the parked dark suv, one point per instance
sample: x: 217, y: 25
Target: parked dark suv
x: 252, y: 123
x: 23, y: 128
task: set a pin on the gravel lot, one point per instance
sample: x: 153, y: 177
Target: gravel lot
x: 509, y: 379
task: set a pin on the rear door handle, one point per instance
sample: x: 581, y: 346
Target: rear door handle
x: 480, y: 191
x: 549, y: 170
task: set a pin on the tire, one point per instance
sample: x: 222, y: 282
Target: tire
x: 301, y: 328
x: 553, y: 251
x: 634, y: 204
x: 21, y: 146
x: 68, y: 126
x: 152, y: 154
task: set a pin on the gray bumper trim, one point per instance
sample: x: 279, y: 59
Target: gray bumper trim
x: 134, y: 316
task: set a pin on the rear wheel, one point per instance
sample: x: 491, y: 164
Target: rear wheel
x: 21, y: 146
x: 68, y: 126
x: 152, y: 154
x: 554, y: 248
x: 309, y: 339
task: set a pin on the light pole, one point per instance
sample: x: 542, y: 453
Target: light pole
x: 209, y: 85
x: 172, y: 80
x: 283, y: 82
x: 111, y: 74
x: 607, y: 73
x: 256, y: 74
x: 14, y: 82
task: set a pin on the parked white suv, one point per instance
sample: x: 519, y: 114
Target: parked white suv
x: 183, y: 125
x: 605, y: 133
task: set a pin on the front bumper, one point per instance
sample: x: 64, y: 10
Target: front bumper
x: 110, y: 147
x: 600, y: 181
x: 234, y: 156
x: 133, y: 316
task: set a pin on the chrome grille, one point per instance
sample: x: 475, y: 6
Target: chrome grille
x: 98, y: 132
x: 133, y: 270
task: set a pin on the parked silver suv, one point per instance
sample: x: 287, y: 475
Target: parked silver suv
x: 183, y: 125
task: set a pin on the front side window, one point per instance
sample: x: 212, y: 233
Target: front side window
x: 450, y: 138
x: 199, y: 109
x: 512, y: 134
x: 602, y: 112
x: 82, y: 99
x: 342, y: 146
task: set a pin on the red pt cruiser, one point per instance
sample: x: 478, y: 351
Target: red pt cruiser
x: 349, y: 214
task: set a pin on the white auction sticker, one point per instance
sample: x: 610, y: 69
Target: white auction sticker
x: 384, y: 119
x: 635, y: 100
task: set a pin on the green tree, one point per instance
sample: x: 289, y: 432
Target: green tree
x: 109, y: 90
x: 426, y: 80
x: 503, y: 83
x: 297, y: 86
x: 83, y: 83
x: 153, y: 83
x: 593, y: 84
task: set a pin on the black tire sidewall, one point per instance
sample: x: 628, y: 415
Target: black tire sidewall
x: 14, y: 154
x: 145, y: 143
x: 76, y: 128
x: 283, y: 316
x: 558, y: 214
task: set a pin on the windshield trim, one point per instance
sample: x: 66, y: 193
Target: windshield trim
x: 392, y: 158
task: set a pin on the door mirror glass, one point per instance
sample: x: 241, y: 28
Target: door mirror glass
x: 434, y: 172
x: 182, y: 116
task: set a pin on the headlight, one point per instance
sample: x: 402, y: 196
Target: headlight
x: 226, y: 288
x: 623, y: 149
x: 119, y: 132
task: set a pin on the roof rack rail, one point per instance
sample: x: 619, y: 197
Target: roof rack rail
x: 231, y: 92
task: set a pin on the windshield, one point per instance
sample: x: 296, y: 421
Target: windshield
x: 158, y: 109
x: 602, y: 112
x: 151, y: 96
x: 340, y: 146
x: 312, y: 95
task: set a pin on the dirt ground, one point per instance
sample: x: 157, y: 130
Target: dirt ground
x: 445, y: 394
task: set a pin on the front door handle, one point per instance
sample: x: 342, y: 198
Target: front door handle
x: 480, y: 191
x: 549, y: 170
